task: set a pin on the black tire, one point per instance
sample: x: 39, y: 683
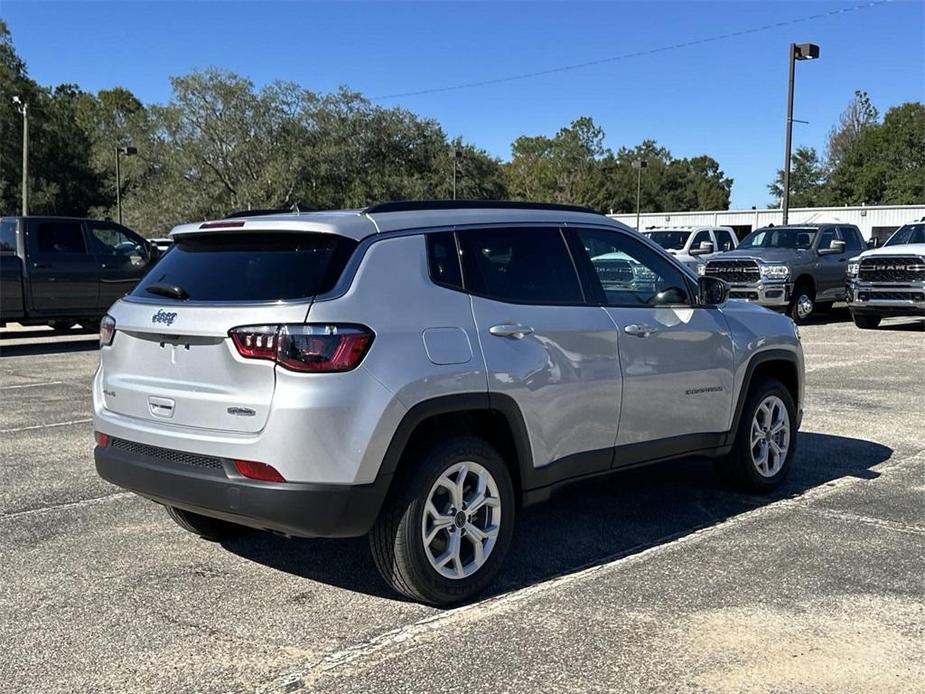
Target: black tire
x: 396, y: 539
x: 738, y: 466
x: 801, y: 293
x: 212, y: 529
x: 866, y: 322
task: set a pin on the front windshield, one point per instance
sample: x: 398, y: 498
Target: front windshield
x: 910, y: 233
x: 669, y: 240
x: 780, y: 237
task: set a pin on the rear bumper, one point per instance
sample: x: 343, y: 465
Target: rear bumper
x: 291, y: 508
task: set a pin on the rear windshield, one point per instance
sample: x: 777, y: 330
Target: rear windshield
x: 249, y: 267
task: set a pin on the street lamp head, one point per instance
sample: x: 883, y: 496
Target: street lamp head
x: 805, y: 51
x: 127, y: 151
x: 17, y: 100
x: 640, y: 163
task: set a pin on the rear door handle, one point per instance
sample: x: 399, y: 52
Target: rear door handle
x: 515, y: 330
x: 639, y: 330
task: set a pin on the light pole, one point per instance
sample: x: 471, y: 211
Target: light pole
x: 23, y: 108
x: 798, y: 51
x: 127, y: 151
x: 639, y: 165
x: 457, y: 153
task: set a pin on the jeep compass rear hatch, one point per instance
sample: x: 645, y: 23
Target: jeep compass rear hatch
x: 172, y: 359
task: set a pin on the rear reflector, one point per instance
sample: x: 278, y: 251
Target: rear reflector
x: 102, y: 440
x: 307, y: 348
x: 258, y: 471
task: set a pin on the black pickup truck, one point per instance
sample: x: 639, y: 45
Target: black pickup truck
x: 60, y: 271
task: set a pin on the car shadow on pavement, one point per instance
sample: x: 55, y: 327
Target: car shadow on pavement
x: 589, y: 523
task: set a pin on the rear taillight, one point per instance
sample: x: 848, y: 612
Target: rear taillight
x: 258, y: 471
x: 256, y: 341
x: 306, y: 348
x: 107, y: 330
x: 102, y: 440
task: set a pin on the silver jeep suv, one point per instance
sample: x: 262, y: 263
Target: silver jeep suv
x: 419, y: 371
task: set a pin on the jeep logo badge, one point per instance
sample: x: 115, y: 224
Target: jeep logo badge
x: 164, y: 317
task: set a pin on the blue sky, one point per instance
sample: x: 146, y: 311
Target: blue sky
x: 725, y: 98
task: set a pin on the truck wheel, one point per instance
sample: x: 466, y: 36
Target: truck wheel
x: 866, y: 322
x: 213, y: 529
x: 444, y: 531
x: 765, y: 441
x: 803, y: 304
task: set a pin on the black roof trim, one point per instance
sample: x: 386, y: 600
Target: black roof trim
x: 419, y: 205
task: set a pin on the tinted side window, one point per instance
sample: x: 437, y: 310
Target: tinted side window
x: 702, y: 235
x: 60, y: 237
x: 628, y: 273
x: 529, y: 266
x: 8, y: 236
x: 724, y: 240
x: 444, y: 260
x: 852, y: 238
x: 826, y: 236
x: 109, y: 240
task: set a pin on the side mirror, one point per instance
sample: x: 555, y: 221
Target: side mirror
x: 711, y: 291
x: 705, y: 248
x: 834, y: 247
x: 872, y: 243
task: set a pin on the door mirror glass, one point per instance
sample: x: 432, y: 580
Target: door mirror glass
x: 711, y: 291
x: 835, y: 246
x: 705, y: 248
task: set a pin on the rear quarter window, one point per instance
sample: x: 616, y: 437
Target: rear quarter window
x: 8, y: 235
x: 250, y: 267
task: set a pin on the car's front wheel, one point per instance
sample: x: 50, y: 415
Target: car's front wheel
x: 766, y: 439
x: 445, y: 529
x: 803, y: 304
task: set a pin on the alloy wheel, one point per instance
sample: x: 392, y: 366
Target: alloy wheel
x: 770, y: 436
x: 461, y: 520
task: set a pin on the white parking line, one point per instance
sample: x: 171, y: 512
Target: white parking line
x: 46, y: 426
x: 70, y: 504
x: 32, y: 385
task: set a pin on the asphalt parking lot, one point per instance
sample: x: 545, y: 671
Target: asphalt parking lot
x: 655, y: 580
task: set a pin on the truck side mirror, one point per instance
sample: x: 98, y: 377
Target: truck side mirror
x: 706, y: 247
x: 835, y: 246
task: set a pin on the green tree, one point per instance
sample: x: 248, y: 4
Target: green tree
x: 885, y: 164
x: 807, y: 180
x: 859, y: 115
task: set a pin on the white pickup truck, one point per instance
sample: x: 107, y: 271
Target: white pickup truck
x: 694, y: 245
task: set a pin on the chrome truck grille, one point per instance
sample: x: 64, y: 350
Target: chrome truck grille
x: 734, y: 270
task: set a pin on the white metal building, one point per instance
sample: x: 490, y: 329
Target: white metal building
x: 874, y: 222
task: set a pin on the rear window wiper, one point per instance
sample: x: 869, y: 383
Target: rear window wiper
x: 173, y: 291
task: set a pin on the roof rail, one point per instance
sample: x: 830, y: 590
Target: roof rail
x: 416, y: 205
